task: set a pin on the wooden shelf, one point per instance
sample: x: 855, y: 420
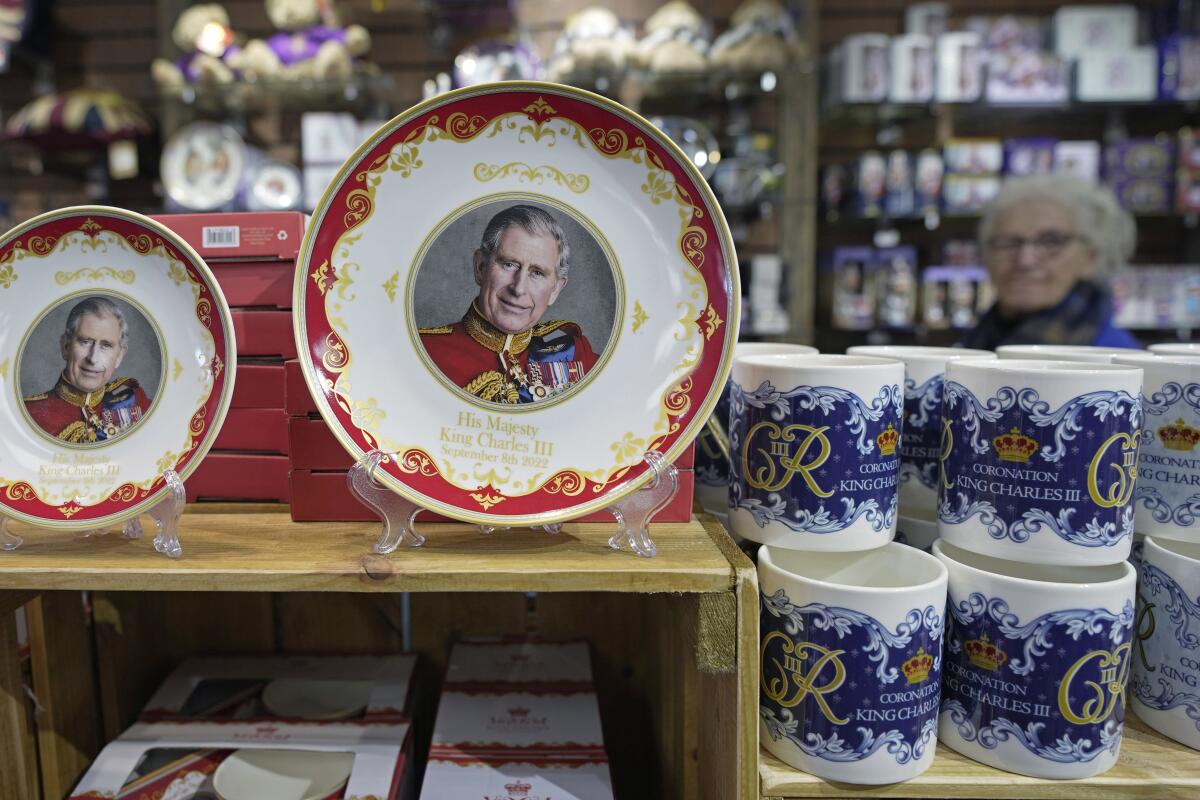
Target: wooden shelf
x: 1150, y: 766
x: 261, y: 549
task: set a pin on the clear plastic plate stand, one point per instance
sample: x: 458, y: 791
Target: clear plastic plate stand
x: 165, y: 513
x: 633, y: 512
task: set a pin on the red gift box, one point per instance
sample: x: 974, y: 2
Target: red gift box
x: 325, y: 497
x: 262, y: 429
x: 297, y: 400
x: 313, y: 446
x: 266, y: 235
x: 264, y: 333
x: 256, y: 283
x: 258, y: 386
x: 240, y: 476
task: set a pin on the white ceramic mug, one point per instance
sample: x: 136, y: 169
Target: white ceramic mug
x: 712, y: 464
x: 851, y: 661
x: 924, y: 372
x: 1165, y: 688
x: 1063, y: 352
x: 1176, y: 349
x: 1167, y: 498
x: 1037, y: 659
x: 815, y: 440
x: 1039, y: 459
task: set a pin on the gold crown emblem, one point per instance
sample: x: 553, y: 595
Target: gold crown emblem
x: 1015, y: 446
x: 887, y: 441
x: 984, y: 654
x: 916, y: 669
x: 1179, y: 436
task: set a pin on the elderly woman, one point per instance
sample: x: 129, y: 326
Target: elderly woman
x: 1050, y: 243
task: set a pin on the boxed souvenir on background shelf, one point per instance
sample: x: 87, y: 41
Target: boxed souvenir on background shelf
x: 911, y: 68
x: 928, y: 19
x: 1080, y: 159
x: 1080, y: 30
x: 1141, y: 172
x: 1027, y: 77
x: 1179, y: 72
x: 859, y: 69
x: 872, y: 184
x: 900, y: 199
x: 853, y: 288
x: 1187, y: 175
x: 954, y: 296
x: 1126, y: 75
x: 1147, y: 296
x: 896, y: 286
x: 931, y: 171
x: 1029, y: 156
x: 959, y: 73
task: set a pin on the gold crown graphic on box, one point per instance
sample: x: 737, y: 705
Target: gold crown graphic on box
x: 517, y: 789
x: 1179, y: 436
x: 984, y: 654
x: 916, y: 669
x: 1015, y: 446
x: 887, y: 441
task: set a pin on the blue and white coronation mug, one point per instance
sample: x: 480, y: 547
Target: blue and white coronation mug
x: 1165, y: 688
x: 816, y: 443
x: 1040, y: 459
x: 924, y: 373
x: 1166, y: 501
x: 1036, y: 664
x: 851, y: 661
x: 712, y: 460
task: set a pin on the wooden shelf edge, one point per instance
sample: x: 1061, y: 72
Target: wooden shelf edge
x: 229, y: 549
x: 1150, y: 766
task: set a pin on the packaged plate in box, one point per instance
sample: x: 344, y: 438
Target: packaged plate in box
x: 489, y: 662
x: 452, y: 773
x: 959, y: 73
x: 242, y: 236
x: 1080, y: 159
x: 258, y: 429
x: 1027, y: 77
x: 864, y: 68
x: 1080, y: 30
x: 973, y: 156
x: 911, y: 62
x: 1179, y: 71
x: 374, y: 688
x: 1129, y: 75
x: 240, y: 476
x: 260, y: 384
x: 1029, y: 156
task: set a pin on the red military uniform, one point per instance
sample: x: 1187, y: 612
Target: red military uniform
x: 82, y: 417
x: 523, y: 367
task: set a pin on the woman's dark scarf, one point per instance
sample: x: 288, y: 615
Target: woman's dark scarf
x: 1078, y: 319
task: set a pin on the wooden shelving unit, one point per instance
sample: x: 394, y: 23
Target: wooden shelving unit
x: 674, y: 638
x: 1150, y: 766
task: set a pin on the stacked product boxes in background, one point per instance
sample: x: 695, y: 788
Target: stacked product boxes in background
x: 258, y: 727
x: 253, y: 256
x: 518, y: 719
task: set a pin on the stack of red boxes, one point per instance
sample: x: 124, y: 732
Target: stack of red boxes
x: 253, y: 256
x: 320, y: 464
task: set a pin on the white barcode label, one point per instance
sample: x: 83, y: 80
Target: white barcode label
x: 223, y: 236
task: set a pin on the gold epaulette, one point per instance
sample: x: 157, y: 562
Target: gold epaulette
x: 547, y: 327
x: 118, y: 383
x: 436, y: 331
x: 34, y: 397
x: 492, y: 387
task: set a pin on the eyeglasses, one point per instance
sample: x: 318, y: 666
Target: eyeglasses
x: 1047, y: 244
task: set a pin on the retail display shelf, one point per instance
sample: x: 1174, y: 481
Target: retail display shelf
x: 1150, y: 766
x: 230, y: 548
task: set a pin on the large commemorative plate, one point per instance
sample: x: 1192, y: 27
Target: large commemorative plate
x: 516, y: 290
x: 116, y: 363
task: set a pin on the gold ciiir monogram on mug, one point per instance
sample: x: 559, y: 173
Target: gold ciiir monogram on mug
x: 792, y: 685
x: 1143, y: 632
x: 1122, y: 487
x: 944, y: 453
x: 772, y: 478
x: 1114, y: 668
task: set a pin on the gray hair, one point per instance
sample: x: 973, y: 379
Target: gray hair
x: 533, y: 221
x: 97, y: 306
x: 1105, y: 228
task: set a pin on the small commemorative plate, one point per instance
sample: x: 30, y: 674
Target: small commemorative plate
x: 252, y: 774
x: 298, y: 698
x: 516, y: 290
x: 203, y: 166
x: 116, y: 363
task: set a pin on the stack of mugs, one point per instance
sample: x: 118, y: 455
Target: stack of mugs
x: 1018, y: 640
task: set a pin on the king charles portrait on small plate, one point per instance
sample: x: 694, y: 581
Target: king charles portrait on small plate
x: 508, y: 347
x: 73, y: 385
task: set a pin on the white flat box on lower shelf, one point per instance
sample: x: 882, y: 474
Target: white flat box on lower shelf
x: 449, y: 780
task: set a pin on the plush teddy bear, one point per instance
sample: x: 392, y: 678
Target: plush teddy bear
x: 761, y: 37
x: 676, y: 40
x: 592, y: 41
x: 310, y: 44
x: 202, y: 32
